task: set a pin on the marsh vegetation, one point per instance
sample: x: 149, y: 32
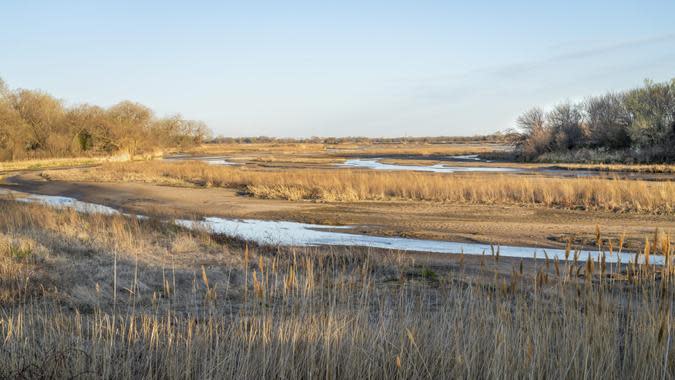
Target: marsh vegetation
x: 113, y: 295
x: 360, y: 185
x: 118, y: 297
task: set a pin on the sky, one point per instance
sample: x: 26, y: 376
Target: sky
x: 348, y: 68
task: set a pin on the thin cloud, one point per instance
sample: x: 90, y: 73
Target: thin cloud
x: 459, y: 87
x: 524, y: 67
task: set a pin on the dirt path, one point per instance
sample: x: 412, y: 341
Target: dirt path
x: 506, y: 225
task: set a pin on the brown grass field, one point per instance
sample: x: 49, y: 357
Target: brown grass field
x: 108, y: 296
x: 360, y: 185
x: 100, y: 296
x: 420, y: 149
x: 644, y: 168
x: 311, y: 153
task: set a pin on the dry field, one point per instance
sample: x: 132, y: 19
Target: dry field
x: 637, y: 168
x: 118, y: 297
x: 72, y: 162
x: 609, y: 169
x: 361, y: 185
x: 265, y: 148
x: 347, y: 148
x: 108, y: 296
x: 319, y: 153
x: 41, y: 164
x: 420, y: 153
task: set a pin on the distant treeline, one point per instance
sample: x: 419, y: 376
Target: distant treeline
x: 34, y: 124
x: 637, y: 125
x: 495, y: 138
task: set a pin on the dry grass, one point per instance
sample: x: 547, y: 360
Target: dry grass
x: 112, y: 297
x: 608, y: 168
x: 416, y: 149
x: 358, y: 185
x: 272, y: 148
x: 417, y: 152
x: 347, y: 149
x: 48, y: 163
x: 636, y: 168
x: 56, y: 163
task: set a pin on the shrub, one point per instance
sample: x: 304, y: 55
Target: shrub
x: 638, y: 125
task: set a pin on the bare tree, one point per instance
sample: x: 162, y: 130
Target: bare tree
x: 608, y: 120
x: 35, y: 124
x: 88, y: 129
x: 42, y: 114
x: 198, y: 131
x: 13, y: 132
x: 4, y: 90
x: 652, y: 108
x: 536, y: 137
x: 639, y: 123
x: 131, y: 123
x: 531, y: 120
x: 565, y: 122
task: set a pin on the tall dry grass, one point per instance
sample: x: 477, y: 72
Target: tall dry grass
x: 270, y: 148
x: 37, y: 164
x: 363, y: 185
x: 635, y: 168
x: 115, y: 297
x: 422, y: 150
x: 287, y: 148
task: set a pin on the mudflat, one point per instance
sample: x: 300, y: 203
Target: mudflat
x: 493, y: 224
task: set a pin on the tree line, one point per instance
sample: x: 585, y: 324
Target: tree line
x: 495, y: 138
x: 635, y: 125
x: 34, y: 124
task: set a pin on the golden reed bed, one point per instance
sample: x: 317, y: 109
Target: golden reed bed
x: 345, y: 185
x: 94, y: 296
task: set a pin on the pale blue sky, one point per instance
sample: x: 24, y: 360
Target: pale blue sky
x: 368, y: 68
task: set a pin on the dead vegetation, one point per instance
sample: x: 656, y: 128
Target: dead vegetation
x: 641, y: 168
x: 118, y: 297
x: 36, y: 125
x: 360, y: 185
x: 324, y: 153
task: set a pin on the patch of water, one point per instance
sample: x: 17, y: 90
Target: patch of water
x: 469, y: 157
x: 218, y: 161
x: 209, y: 160
x: 438, y: 168
x: 285, y: 233
x: 64, y: 202
x: 302, y: 234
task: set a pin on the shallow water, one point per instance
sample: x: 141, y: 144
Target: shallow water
x: 285, y: 233
x: 302, y: 234
x: 63, y: 202
x: 438, y: 168
x: 218, y: 161
x: 208, y: 160
x: 469, y: 157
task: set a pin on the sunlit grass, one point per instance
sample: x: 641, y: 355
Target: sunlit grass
x: 117, y: 297
x: 344, y: 185
x: 49, y: 163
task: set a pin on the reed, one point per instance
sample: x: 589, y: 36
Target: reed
x: 633, y: 168
x: 40, y: 164
x: 347, y: 149
x: 110, y: 296
x: 363, y: 185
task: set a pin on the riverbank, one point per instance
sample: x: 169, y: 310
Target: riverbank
x: 113, y: 296
x: 489, y: 224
